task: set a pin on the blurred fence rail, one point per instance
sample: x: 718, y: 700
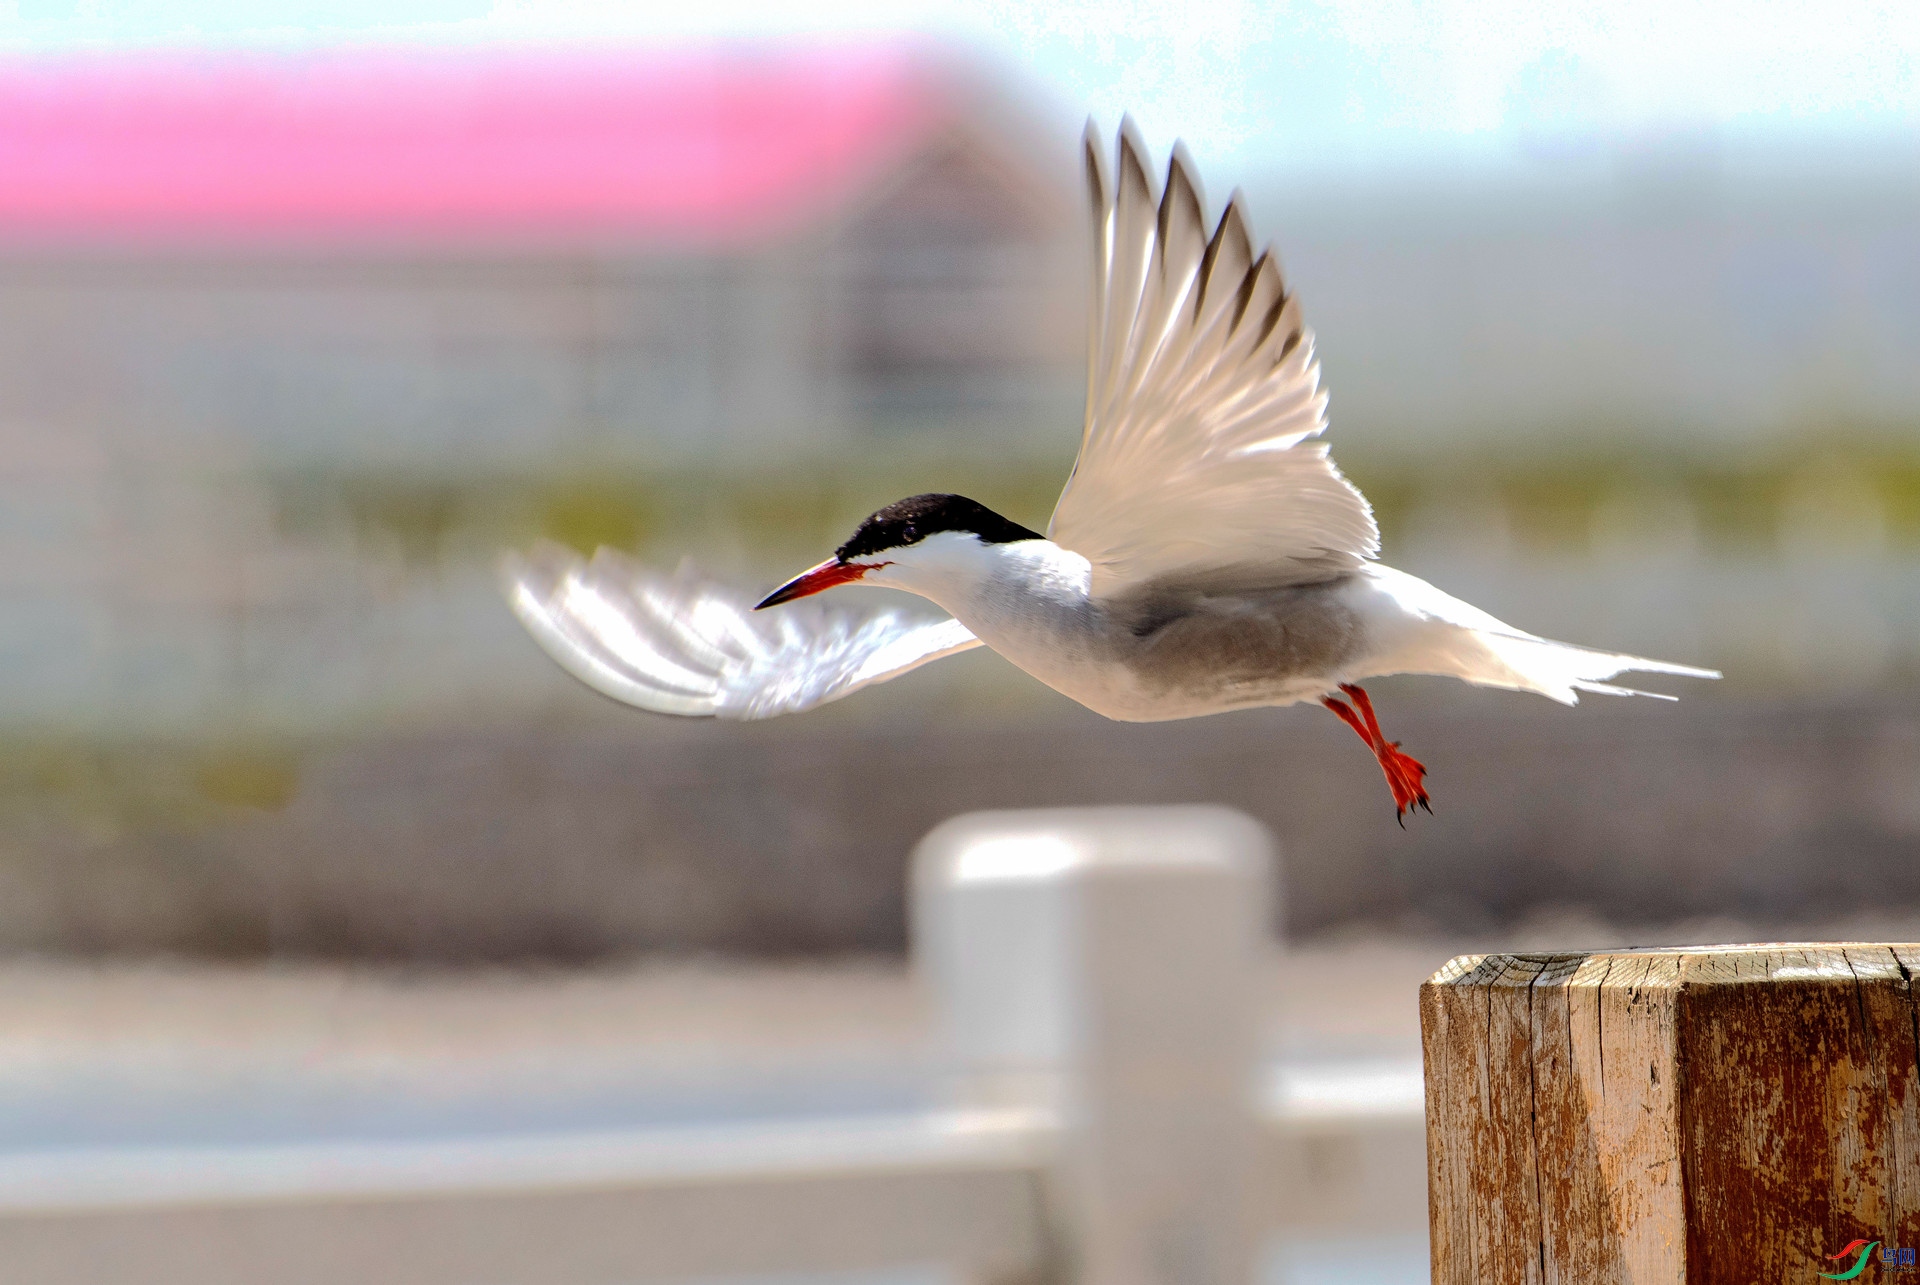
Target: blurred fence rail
x: 1095, y: 970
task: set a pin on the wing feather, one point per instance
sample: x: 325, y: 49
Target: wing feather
x: 1099, y: 193
x: 1135, y: 214
x: 1180, y: 240
x: 685, y: 645
x: 1204, y: 403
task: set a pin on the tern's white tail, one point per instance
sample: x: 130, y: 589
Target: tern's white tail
x: 1561, y: 670
x: 1459, y: 640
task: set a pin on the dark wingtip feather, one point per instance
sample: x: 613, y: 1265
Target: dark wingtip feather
x: 1236, y: 214
x: 1243, y: 294
x: 1182, y: 170
x: 1232, y: 227
x: 1181, y: 190
x: 1130, y: 152
x: 1093, y: 153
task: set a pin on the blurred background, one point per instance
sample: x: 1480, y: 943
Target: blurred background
x: 304, y: 318
x: 308, y: 312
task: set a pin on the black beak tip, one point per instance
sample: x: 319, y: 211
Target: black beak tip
x: 785, y: 593
x: 810, y: 582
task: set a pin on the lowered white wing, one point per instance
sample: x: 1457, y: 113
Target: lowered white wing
x: 1204, y: 407
x: 682, y: 644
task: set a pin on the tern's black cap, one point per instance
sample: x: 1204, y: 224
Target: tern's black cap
x: 913, y: 519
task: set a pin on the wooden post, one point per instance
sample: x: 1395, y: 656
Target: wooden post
x: 1714, y: 1114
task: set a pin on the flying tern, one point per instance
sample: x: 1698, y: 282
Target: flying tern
x: 1206, y: 554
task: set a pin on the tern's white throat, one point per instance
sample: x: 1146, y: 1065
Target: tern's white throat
x: 968, y: 576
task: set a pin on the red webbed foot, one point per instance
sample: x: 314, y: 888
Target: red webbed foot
x: 1405, y: 774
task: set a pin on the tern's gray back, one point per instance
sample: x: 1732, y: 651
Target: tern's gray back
x: 1231, y: 637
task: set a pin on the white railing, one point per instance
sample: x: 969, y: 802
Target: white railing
x: 1107, y: 1122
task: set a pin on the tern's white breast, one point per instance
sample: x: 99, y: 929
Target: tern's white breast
x: 1030, y: 602
x: 1141, y: 659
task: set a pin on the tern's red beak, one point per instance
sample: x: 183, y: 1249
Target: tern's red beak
x: 825, y: 576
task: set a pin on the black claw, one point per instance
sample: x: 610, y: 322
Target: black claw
x: 1400, y: 815
x: 1428, y: 806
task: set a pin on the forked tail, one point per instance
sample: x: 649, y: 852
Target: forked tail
x: 1455, y: 638
x: 1562, y: 670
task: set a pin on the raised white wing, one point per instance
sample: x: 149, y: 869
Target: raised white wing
x: 682, y: 644
x: 1200, y: 449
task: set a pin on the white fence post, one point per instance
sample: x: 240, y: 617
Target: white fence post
x: 1102, y: 962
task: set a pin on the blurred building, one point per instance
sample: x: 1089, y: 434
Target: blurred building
x: 217, y: 268
x: 410, y: 253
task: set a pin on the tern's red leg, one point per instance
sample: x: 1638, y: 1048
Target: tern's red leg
x: 1404, y: 773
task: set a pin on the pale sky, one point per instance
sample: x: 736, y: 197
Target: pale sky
x: 1250, y: 84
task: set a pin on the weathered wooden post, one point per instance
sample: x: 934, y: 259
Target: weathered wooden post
x: 1101, y: 962
x: 1714, y: 1114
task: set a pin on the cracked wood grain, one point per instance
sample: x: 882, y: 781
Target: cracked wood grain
x: 1700, y: 1115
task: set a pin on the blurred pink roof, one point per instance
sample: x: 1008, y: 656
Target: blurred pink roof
x: 478, y: 147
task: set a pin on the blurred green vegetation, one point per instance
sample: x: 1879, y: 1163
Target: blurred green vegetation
x: 105, y: 789
x: 1737, y: 502
x: 428, y: 520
